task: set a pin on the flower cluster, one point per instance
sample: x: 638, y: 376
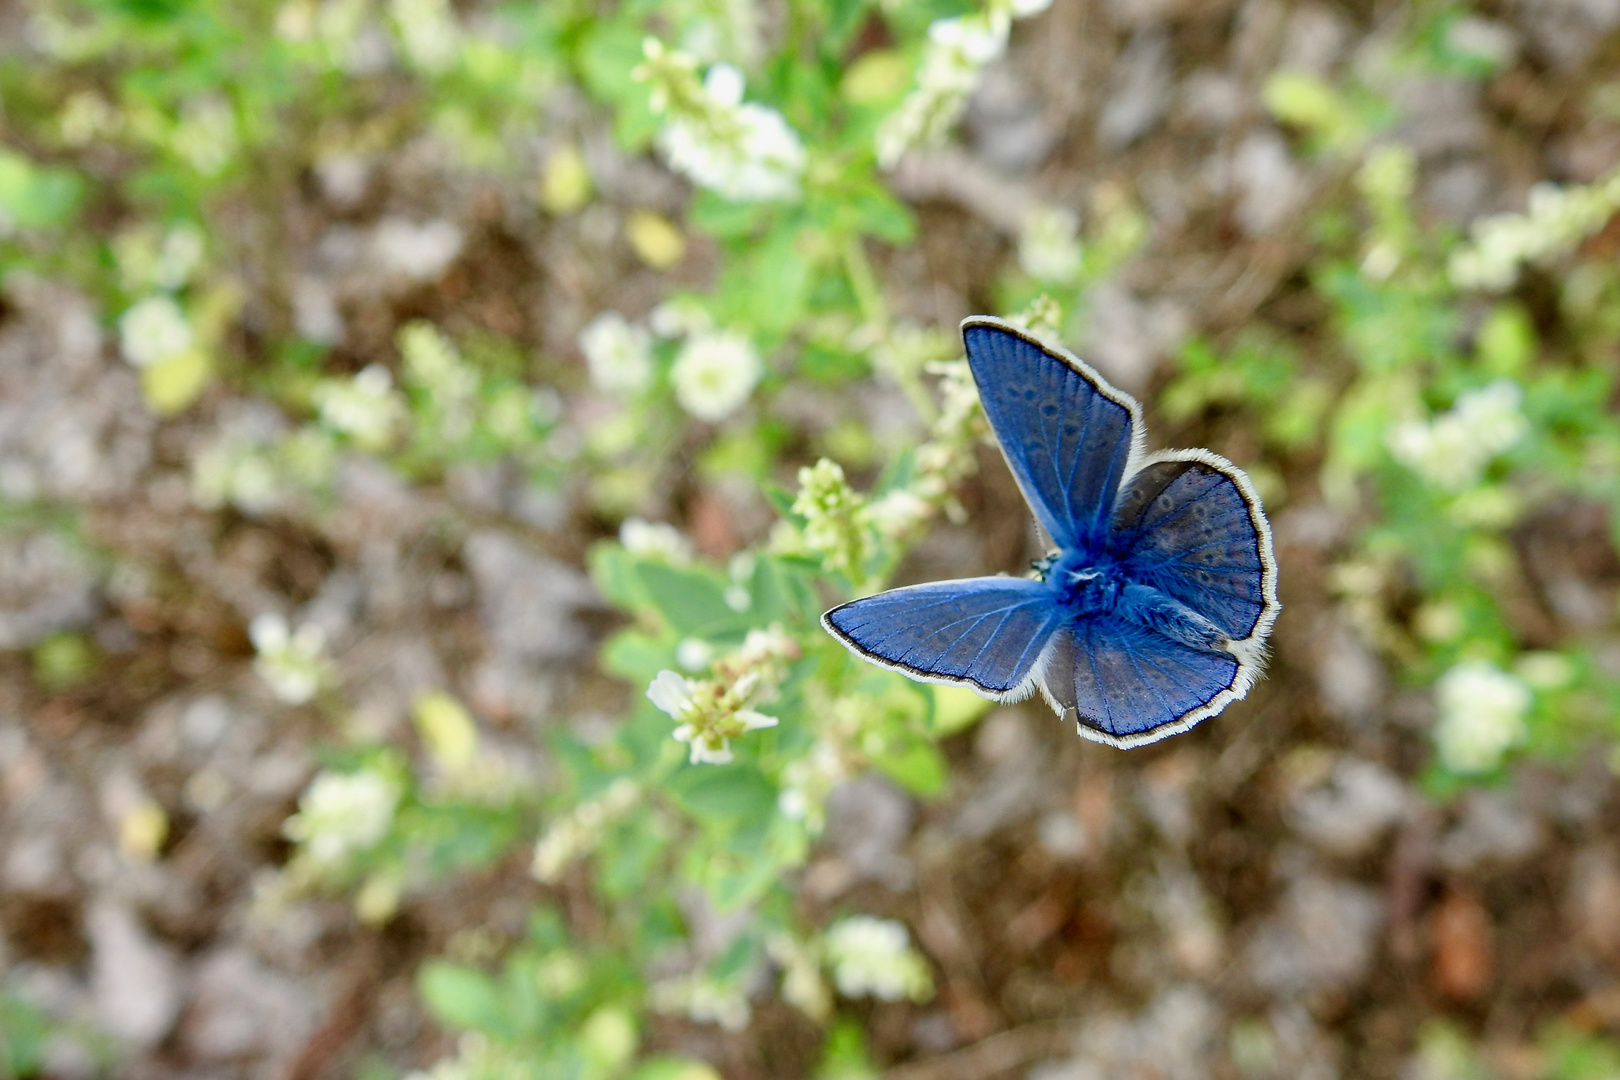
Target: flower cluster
x: 343, y: 814
x: 1482, y: 714
x: 833, y: 518
x: 579, y: 832
x: 154, y: 330
x: 873, y: 957
x: 711, y: 712
x: 1555, y: 222
x: 366, y: 408
x: 618, y: 354
x: 292, y: 663
x: 238, y: 472
x: 714, y: 374
x: 802, y: 984
x: 1049, y: 244
x: 146, y: 261
x: 1452, y: 450
x: 655, y: 540
x: 703, y: 999
x: 957, y: 52
x: 742, y: 150
x: 429, y: 35
x: 448, y: 383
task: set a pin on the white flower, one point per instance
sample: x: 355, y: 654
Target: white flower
x: 206, y: 135
x: 429, y: 33
x: 671, y: 692
x: 153, y: 330
x: 237, y: 472
x: 655, y: 540
x: 1049, y: 244
x: 1556, y: 220
x: 898, y: 512
x: 715, y: 373
x: 342, y: 814
x: 1452, y: 451
x: 178, y: 257
x: 293, y: 664
x: 366, y: 408
x: 679, y: 317
x: 1482, y: 711
x: 618, y: 353
x: 694, y: 654
x: 703, y: 1000
x: 744, y: 151
x: 576, y: 834
x: 873, y: 957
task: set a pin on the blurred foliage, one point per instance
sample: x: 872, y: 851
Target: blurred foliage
x: 1433, y: 410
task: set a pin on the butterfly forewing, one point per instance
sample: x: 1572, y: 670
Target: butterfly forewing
x: 984, y: 631
x: 1067, y: 435
x: 1189, y: 526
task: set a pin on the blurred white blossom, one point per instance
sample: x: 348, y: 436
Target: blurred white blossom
x: 679, y: 316
x: 366, y: 408
x: 1482, y: 714
x: 742, y: 150
x: 655, y: 540
x: 235, y: 472
x: 206, y: 136
x: 873, y: 957
x: 958, y: 50
x: 1452, y: 450
x: 292, y: 663
x: 702, y: 999
x: 618, y: 354
x: 577, y: 833
x: 343, y: 814
x: 1049, y: 244
x: 715, y: 373
x: 153, y: 330
x: 1555, y: 222
x: 428, y: 33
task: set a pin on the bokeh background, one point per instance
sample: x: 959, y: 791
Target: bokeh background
x: 429, y: 431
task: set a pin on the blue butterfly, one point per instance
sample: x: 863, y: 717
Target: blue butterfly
x: 1152, y: 613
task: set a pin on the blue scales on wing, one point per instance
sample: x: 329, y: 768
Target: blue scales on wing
x: 1185, y: 526
x: 1066, y: 434
x: 987, y: 632
x: 1130, y: 685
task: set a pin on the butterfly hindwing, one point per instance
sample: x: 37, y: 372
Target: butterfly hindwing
x: 1127, y: 685
x: 1067, y: 435
x: 1188, y: 523
x: 986, y: 632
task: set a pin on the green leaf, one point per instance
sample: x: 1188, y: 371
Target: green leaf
x: 915, y: 765
x: 463, y: 998
x: 634, y: 655
x: 37, y: 196
x: 692, y: 601
x: 724, y: 792
x: 676, y: 1069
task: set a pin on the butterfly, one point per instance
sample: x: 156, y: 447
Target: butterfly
x: 1152, y: 612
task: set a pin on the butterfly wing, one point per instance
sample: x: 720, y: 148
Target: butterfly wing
x: 985, y: 632
x: 1068, y: 436
x: 1189, y: 524
x: 1126, y: 685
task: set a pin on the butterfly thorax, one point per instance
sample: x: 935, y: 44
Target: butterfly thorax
x: 1089, y: 586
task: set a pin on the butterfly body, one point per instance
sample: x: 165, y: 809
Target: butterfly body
x: 1153, y: 611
